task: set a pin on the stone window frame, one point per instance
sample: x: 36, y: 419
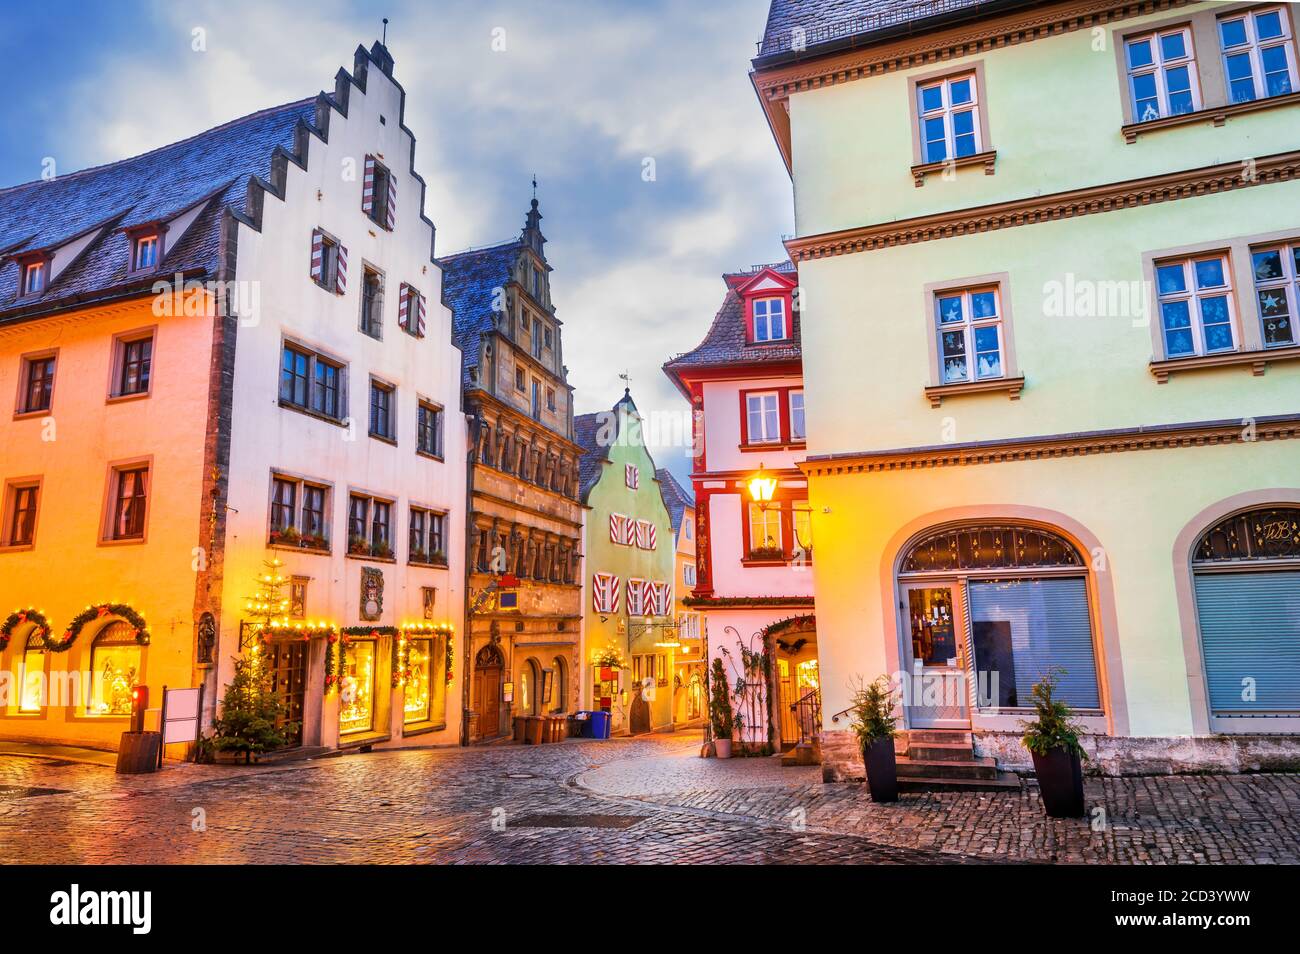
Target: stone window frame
x: 1247, y: 320
x: 988, y: 154
x: 1012, y: 381
x: 8, y: 502
x: 25, y: 363
x: 1207, y: 54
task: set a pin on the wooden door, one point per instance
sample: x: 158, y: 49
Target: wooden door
x: 487, y: 700
x: 287, y: 663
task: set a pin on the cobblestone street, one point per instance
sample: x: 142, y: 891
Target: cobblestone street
x: 644, y: 801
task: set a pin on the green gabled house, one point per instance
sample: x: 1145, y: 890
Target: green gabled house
x: 629, y: 630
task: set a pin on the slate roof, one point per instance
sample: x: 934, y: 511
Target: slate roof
x: 725, y: 343
x: 587, y: 434
x: 468, y: 282
x: 158, y: 185
x: 827, y: 21
x: 676, y: 498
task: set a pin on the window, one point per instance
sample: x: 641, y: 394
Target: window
x: 550, y: 399
x: 378, y: 194
x: 372, y: 303
x: 310, y: 382
x: 769, y: 319
x: 537, y: 338
x: 763, y: 418
x: 537, y: 399
x: 381, y: 410
x: 765, y: 532
x: 801, y: 522
x: 948, y: 116
x: 411, y: 311
x: 688, y: 529
x: 37, y: 384
x: 34, y: 278
x: 1195, y: 297
x: 548, y: 338
x: 144, y: 252
x: 631, y: 476
x: 325, y: 261
x: 520, y: 379
x: 19, y: 528
x: 688, y: 574
x: 30, y: 683
x: 646, y: 535
x: 604, y: 593
x: 636, y: 601
x: 128, y: 502
x: 298, y: 514
x: 134, y: 361
x: 428, y: 429
x: 1258, y: 55
x: 115, y: 658
x: 369, y: 526
x: 969, y: 328
x: 797, y: 432
x: 426, y: 537
x: 1161, y: 74
x: 1277, y: 287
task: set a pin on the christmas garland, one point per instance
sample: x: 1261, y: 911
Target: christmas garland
x: 18, y: 618
x: 332, y: 674
x: 451, y: 660
x: 92, y: 613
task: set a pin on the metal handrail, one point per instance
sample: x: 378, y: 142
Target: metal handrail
x: 809, y: 714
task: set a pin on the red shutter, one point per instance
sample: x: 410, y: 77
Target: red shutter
x: 613, y: 593
x: 341, y: 279
x: 368, y: 188
x: 615, y: 528
x: 317, y: 250
x: 651, y: 536
x: 419, y: 316
x: 392, y: 201
x: 404, y: 306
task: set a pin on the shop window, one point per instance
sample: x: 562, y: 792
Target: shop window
x: 31, y: 684
x: 115, y: 659
x: 357, y: 709
x: 417, y: 706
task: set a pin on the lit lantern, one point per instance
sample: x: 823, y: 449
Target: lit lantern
x: 761, y: 487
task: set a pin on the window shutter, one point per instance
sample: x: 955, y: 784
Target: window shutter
x: 317, y: 251
x: 404, y: 306
x: 651, y: 536
x: 613, y: 593
x: 419, y: 316
x: 341, y: 278
x: 392, y: 201
x: 368, y: 189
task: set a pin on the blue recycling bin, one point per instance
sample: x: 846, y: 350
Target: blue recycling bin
x: 599, y: 723
x: 585, y: 718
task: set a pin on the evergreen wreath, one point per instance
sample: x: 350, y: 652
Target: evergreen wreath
x: 92, y: 613
x: 18, y: 618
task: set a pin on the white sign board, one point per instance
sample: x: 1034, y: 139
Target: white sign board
x: 182, y: 715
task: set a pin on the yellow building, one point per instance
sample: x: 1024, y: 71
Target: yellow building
x: 1049, y: 258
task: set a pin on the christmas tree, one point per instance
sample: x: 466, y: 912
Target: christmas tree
x: 249, y: 712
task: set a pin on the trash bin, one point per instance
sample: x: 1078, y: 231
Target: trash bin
x: 584, y: 724
x: 600, y: 725
x: 521, y: 728
x: 536, y: 730
x: 575, y: 726
x: 559, y: 728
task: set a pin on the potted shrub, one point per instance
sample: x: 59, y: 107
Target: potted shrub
x: 382, y: 550
x: 314, y: 541
x: 358, y: 545
x: 766, y: 554
x: 1052, y: 738
x: 720, y: 711
x: 873, y: 724
x: 419, y: 556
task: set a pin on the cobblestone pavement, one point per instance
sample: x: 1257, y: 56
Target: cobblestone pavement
x: 622, y: 801
x: 434, y: 806
x: 1201, y: 819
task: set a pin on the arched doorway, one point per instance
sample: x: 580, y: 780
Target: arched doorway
x: 559, y: 701
x: 986, y: 611
x: 796, y: 679
x: 488, y: 666
x: 1246, y: 575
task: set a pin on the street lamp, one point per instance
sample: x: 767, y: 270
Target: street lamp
x: 761, y: 488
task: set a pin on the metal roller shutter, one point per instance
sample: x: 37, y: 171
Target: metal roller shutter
x: 1250, y: 638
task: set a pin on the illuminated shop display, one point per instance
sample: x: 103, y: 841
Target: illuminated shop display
x: 357, y: 697
x: 33, y: 670
x: 115, y: 668
x: 419, y: 680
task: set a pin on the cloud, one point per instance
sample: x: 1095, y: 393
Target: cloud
x: 582, y: 94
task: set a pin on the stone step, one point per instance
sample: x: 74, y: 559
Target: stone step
x: 970, y: 769
x: 801, y: 754
x: 1003, y: 782
x: 951, y: 736
x: 940, y: 751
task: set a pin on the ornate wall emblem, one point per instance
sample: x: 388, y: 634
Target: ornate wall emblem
x: 372, y: 593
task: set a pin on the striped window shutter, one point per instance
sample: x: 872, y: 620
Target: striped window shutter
x: 341, y: 276
x: 640, y: 534
x: 630, y: 476
x: 392, y: 201
x: 317, y: 251
x: 613, y: 593
x: 652, y: 536
x: 419, y: 315
x: 614, y: 532
x: 404, y: 306
x: 368, y: 189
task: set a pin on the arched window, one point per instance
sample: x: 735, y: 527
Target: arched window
x: 115, y: 659
x: 1246, y: 570
x: 1005, y: 604
x: 31, y: 683
x: 560, y: 691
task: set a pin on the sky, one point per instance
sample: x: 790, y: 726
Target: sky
x: 656, y: 170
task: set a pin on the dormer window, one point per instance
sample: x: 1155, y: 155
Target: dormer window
x: 769, y: 319
x: 144, y: 252
x: 34, y: 278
